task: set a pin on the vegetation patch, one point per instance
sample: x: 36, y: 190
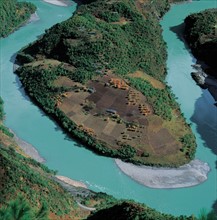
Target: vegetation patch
x: 154, y: 82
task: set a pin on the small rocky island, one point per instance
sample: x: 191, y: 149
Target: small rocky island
x: 205, y: 81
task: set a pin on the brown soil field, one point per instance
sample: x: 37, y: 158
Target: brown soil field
x: 115, y: 113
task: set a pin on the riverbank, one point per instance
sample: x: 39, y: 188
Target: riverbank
x: 64, y: 3
x: 71, y: 182
x: 28, y: 149
x: 34, y: 17
x: 205, y: 81
x: 187, y: 175
x: 191, y: 174
x: 31, y: 151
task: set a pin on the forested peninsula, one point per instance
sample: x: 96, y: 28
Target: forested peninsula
x: 29, y: 191
x: 101, y: 75
x: 201, y: 36
x: 13, y: 14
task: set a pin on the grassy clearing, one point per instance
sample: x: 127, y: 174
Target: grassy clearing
x: 154, y: 82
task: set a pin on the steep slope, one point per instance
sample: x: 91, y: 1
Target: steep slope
x: 101, y: 75
x: 13, y: 14
x: 201, y: 35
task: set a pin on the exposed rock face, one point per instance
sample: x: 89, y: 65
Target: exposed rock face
x: 199, y: 78
x: 205, y: 81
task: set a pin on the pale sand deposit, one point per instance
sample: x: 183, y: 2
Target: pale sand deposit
x: 64, y: 3
x: 34, y: 17
x: 28, y: 149
x: 70, y: 181
x: 187, y: 175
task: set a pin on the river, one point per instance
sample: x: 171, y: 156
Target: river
x: 100, y: 173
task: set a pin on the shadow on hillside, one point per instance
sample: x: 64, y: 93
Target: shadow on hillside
x: 179, y: 31
x: 215, y: 207
x: 205, y: 118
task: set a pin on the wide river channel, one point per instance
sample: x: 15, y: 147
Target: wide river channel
x: 100, y: 173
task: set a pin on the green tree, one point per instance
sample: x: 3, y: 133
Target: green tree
x: 204, y: 215
x: 20, y: 209
x: 42, y: 213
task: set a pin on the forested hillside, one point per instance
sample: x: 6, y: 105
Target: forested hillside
x: 101, y: 75
x: 13, y: 14
x: 201, y: 35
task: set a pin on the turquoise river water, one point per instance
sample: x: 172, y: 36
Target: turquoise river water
x: 100, y: 173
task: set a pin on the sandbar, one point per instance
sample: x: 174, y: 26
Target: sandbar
x: 63, y: 3
x: 188, y: 175
x: 70, y: 181
x: 28, y: 149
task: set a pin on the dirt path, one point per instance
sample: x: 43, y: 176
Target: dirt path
x: 85, y: 207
